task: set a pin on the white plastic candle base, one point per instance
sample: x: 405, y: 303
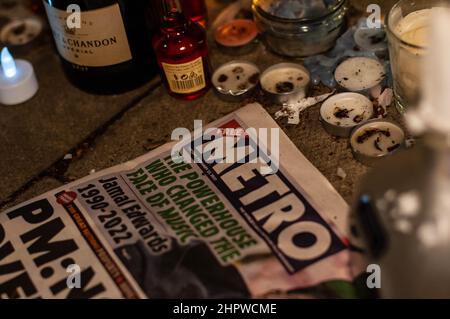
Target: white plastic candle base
x: 19, y: 88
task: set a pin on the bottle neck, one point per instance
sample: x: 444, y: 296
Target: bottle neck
x: 173, y: 18
x: 171, y: 6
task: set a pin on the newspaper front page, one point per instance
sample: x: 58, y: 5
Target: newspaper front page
x: 157, y: 227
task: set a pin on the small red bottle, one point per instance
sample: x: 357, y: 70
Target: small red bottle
x: 182, y: 53
x: 195, y: 10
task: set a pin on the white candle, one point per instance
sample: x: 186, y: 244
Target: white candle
x: 376, y: 139
x: 235, y: 79
x: 372, y: 40
x: 18, y: 82
x: 21, y: 31
x: 360, y: 74
x: 285, y: 78
x: 415, y: 27
x: 285, y: 82
x: 342, y: 112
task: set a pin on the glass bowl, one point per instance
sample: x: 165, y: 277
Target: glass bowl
x: 300, y: 28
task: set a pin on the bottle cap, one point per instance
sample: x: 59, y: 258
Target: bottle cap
x: 171, y: 6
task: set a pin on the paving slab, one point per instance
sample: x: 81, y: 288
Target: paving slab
x: 37, y: 133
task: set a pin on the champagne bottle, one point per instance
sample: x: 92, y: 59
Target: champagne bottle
x: 105, y: 45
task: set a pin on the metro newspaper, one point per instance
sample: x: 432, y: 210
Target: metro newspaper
x: 157, y: 227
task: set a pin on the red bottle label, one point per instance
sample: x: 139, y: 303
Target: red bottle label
x: 187, y: 77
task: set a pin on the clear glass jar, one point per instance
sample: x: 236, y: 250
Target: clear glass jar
x: 408, y: 18
x: 300, y: 28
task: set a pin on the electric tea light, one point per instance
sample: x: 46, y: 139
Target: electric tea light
x: 18, y: 82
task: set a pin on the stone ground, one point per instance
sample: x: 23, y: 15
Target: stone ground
x: 103, y: 131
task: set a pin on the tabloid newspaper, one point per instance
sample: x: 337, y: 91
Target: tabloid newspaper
x: 157, y: 227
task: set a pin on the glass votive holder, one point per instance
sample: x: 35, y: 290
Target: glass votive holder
x: 408, y: 24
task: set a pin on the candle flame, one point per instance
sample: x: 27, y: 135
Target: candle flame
x: 7, y: 63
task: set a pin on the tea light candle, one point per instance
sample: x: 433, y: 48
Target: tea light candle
x: 236, y: 80
x: 343, y: 112
x: 18, y: 82
x: 237, y: 36
x: 285, y: 82
x: 376, y: 139
x: 372, y: 40
x: 21, y: 31
x: 360, y: 74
